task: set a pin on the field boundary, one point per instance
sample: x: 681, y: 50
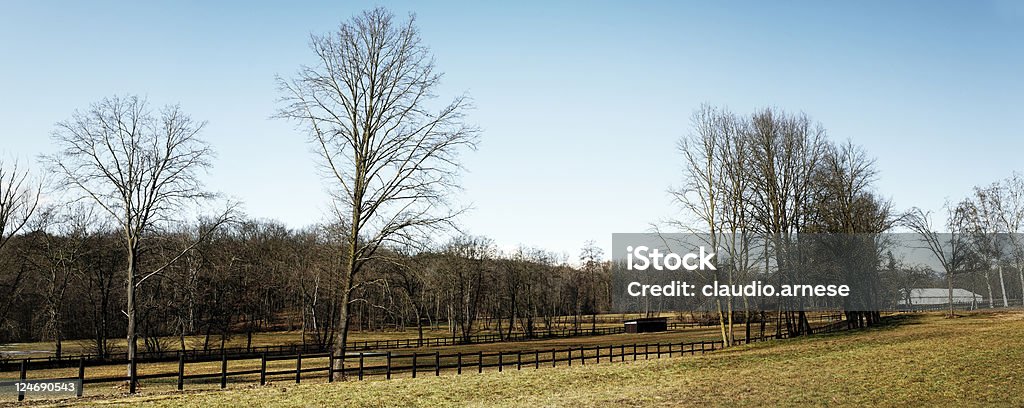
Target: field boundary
x: 234, y: 353
x: 387, y: 365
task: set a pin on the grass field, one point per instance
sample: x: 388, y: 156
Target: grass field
x: 919, y: 360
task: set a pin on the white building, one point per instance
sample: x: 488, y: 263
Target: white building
x: 939, y: 296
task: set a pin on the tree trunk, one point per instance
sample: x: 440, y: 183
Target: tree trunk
x: 511, y: 322
x: 988, y: 283
x: 949, y: 281
x: 1021, y: 271
x: 131, y: 336
x: 341, y: 341
x: 1002, y: 285
x: 419, y: 326
x: 101, y: 329
x: 721, y: 321
x: 732, y: 333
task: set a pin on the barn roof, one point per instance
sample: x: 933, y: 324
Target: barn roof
x: 942, y: 293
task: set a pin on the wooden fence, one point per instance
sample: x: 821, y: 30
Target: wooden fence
x: 310, y: 349
x: 389, y: 364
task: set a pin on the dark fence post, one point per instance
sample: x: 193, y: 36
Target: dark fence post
x: 437, y: 363
x: 519, y: 360
x: 181, y: 371
x: 24, y: 373
x: 569, y: 350
x: 536, y: 359
x: 263, y: 369
x: 223, y: 370
x: 459, y: 363
x: 480, y: 362
x: 501, y: 363
x: 634, y: 351
x: 659, y: 350
x: 414, y: 354
x: 388, y: 372
x: 361, y: 365
x: 132, y: 376
x: 298, y: 368
x: 330, y: 366
x: 583, y: 355
x: 81, y: 376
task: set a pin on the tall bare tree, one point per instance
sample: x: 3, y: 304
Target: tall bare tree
x: 702, y: 191
x: 785, y: 150
x: 592, y: 266
x: 951, y: 248
x: 1011, y: 218
x: 735, y: 238
x: 142, y: 168
x: 850, y: 217
x: 987, y: 234
x: 391, y: 161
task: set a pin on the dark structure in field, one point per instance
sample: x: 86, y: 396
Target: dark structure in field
x: 646, y: 325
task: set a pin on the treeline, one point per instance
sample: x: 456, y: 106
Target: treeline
x: 775, y: 174
x: 764, y: 185
x: 65, y: 279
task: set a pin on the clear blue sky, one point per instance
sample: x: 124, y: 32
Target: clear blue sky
x: 581, y: 103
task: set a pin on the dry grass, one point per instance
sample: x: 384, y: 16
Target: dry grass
x: 924, y: 360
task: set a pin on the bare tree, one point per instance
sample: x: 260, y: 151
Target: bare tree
x: 702, y: 191
x: 784, y: 152
x: 982, y: 214
x: 591, y: 265
x: 1011, y: 219
x: 736, y: 240
x: 949, y: 248
x: 850, y: 217
x: 390, y: 160
x: 142, y: 169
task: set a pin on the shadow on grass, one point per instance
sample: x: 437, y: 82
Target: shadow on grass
x: 887, y: 323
